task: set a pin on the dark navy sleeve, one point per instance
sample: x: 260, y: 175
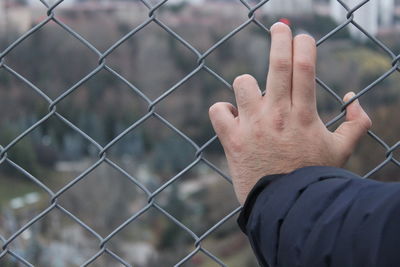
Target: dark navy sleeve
x: 323, y: 216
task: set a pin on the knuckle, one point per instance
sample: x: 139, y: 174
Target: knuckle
x: 305, y: 117
x: 282, y: 64
x: 258, y: 129
x: 279, y: 120
x: 221, y: 129
x: 234, y: 144
x: 304, y: 65
x: 366, y: 122
x: 278, y: 123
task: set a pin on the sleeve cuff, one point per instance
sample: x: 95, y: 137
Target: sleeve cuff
x: 252, y: 197
x: 297, y: 178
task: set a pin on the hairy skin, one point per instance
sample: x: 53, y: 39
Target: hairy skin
x: 282, y: 131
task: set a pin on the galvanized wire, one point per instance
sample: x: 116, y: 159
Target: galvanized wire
x: 152, y: 113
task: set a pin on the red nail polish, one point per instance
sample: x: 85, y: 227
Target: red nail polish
x: 286, y: 21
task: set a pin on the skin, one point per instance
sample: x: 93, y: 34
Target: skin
x: 282, y: 131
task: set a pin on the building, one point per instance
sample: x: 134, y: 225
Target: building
x: 37, y: 3
x: 288, y: 7
x: 372, y: 16
x: 2, y: 17
x: 386, y: 10
x: 15, y: 19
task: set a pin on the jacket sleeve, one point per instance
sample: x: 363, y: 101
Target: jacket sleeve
x: 323, y: 216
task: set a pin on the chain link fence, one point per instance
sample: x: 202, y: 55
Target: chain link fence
x: 18, y: 257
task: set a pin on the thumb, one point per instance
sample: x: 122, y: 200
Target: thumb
x: 356, y: 125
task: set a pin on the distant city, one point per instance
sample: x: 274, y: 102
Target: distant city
x: 375, y: 16
x: 143, y: 62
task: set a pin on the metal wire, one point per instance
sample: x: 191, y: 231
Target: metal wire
x: 152, y: 113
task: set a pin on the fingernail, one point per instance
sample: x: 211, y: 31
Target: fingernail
x: 274, y: 25
x: 301, y: 31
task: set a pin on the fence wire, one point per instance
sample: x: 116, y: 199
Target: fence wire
x: 152, y: 113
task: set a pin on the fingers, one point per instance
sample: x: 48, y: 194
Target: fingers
x: 304, y: 61
x: 222, y: 116
x: 247, y: 93
x: 356, y: 125
x: 279, y: 80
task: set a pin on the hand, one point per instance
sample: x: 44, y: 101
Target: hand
x: 282, y: 131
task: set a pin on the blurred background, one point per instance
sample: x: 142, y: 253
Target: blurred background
x: 154, y: 61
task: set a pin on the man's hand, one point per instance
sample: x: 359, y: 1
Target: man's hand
x: 282, y: 131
